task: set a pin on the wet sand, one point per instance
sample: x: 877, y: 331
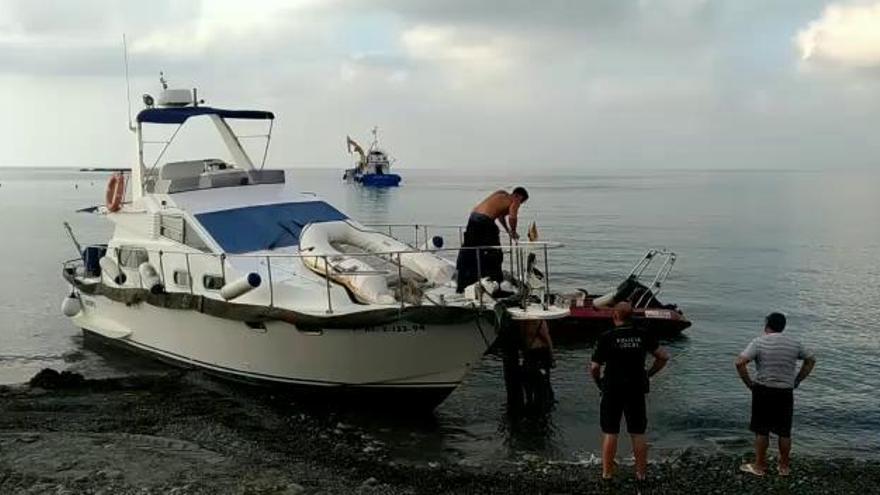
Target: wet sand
x: 176, y: 433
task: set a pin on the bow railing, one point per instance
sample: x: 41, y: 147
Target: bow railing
x: 202, y: 273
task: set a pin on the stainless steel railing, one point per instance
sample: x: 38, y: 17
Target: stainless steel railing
x: 517, y: 252
x: 421, y: 232
x: 656, y: 287
x: 393, y: 230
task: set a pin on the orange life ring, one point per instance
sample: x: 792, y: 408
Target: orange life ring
x: 115, y: 192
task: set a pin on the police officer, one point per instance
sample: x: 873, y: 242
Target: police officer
x: 623, y: 383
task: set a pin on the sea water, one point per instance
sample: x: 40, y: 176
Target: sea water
x: 749, y: 242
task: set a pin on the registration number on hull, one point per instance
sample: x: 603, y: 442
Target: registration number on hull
x: 395, y: 328
x: 656, y: 313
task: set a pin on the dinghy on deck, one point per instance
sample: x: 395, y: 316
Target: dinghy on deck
x: 368, y: 283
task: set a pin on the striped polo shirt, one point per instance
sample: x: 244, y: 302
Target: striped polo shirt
x: 776, y: 356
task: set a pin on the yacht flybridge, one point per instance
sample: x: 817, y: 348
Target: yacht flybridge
x: 223, y: 266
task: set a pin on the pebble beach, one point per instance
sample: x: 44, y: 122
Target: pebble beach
x: 169, y: 433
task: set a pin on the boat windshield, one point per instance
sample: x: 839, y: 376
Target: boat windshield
x: 265, y: 227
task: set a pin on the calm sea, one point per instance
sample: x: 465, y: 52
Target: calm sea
x: 805, y: 243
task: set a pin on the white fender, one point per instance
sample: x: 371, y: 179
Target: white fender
x: 71, y: 306
x: 241, y: 286
x: 436, y: 242
x: 150, y: 278
x: 438, y: 269
x: 111, y: 269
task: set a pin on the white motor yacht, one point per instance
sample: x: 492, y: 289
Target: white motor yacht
x: 223, y: 266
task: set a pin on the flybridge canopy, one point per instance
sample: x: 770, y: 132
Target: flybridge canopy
x: 176, y: 106
x: 180, y: 115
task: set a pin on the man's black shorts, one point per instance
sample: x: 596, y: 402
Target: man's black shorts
x: 772, y: 409
x: 616, y: 404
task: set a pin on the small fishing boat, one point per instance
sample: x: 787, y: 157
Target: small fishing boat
x: 592, y: 314
x: 225, y: 267
x: 373, y: 167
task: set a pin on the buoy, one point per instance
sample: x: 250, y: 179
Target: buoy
x: 436, y: 242
x: 241, y: 286
x: 71, y: 306
x: 111, y: 269
x: 115, y: 192
x: 150, y: 278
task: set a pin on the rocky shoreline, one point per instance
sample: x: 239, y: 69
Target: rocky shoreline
x: 173, y: 433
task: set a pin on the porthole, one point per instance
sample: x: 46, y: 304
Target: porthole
x: 182, y: 278
x: 213, y: 282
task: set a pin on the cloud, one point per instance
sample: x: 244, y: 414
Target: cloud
x: 61, y: 38
x: 374, y: 67
x: 845, y: 35
x: 472, y: 83
x: 467, y: 56
x: 517, y: 14
x: 224, y: 24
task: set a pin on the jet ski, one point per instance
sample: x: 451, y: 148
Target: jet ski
x: 591, y: 314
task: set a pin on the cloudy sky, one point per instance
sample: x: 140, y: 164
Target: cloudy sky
x: 580, y: 84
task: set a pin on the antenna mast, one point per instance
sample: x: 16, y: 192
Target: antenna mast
x: 127, y: 83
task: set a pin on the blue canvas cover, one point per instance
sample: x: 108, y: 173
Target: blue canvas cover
x: 264, y: 227
x: 180, y: 115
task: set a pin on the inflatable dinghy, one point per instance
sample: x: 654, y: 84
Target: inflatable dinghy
x: 366, y: 283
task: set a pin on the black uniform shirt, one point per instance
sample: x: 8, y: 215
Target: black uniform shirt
x: 622, y: 350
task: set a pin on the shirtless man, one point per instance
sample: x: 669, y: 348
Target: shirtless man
x: 482, y: 230
x: 537, y: 361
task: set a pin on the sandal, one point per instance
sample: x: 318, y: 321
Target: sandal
x: 751, y: 469
x: 783, y: 471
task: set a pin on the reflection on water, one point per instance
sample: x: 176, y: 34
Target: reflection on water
x: 748, y: 243
x: 529, y: 431
x: 370, y: 204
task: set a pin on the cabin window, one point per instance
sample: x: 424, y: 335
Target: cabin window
x: 213, y: 282
x: 176, y: 228
x: 181, y: 278
x: 132, y: 257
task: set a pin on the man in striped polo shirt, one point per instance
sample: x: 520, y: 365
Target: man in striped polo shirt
x: 775, y: 356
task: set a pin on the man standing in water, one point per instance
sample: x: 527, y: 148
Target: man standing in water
x: 482, y: 230
x: 537, y: 362
x: 776, y: 356
x: 622, y: 351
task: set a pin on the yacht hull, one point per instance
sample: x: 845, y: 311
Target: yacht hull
x: 414, y: 365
